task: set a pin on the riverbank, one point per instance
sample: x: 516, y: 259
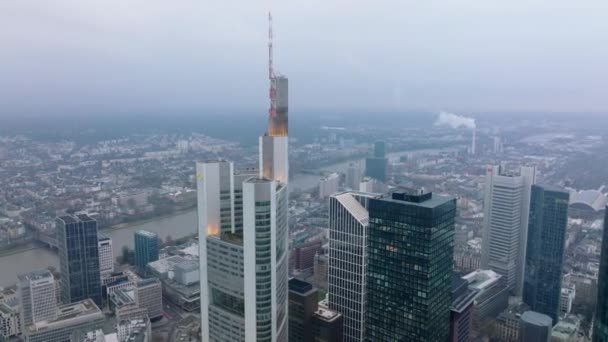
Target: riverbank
x: 20, y: 248
x: 148, y: 220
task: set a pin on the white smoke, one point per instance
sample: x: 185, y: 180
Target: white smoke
x: 454, y: 121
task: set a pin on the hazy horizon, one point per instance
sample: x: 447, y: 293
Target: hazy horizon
x: 401, y: 56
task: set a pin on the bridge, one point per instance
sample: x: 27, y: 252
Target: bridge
x: 47, y: 240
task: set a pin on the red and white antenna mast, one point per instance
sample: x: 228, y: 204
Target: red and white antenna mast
x: 271, y: 76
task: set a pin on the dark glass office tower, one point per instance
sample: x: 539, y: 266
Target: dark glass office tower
x: 78, y: 259
x: 545, y: 249
x: 376, y: 166
x: 410, y: 248
x: 147, y: 248
x: 600, y: 326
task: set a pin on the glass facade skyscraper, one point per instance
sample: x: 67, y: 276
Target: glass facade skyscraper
x: 147, y: 247
x: 410, y: 248
x: 545, y: 249
x: 78, y: 259
x: 600, y: 326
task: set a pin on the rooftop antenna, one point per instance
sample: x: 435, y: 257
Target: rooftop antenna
x: 272, y: 112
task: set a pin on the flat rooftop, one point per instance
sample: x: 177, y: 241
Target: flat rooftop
x: 327, y: 315
x: 147, y: 234
x: 36, y: 275
x: 416, y: 197
x: 69, y: 312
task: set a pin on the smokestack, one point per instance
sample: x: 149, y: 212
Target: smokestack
x: 473, y: 141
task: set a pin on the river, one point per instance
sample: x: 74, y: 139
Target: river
x: 177, y: 226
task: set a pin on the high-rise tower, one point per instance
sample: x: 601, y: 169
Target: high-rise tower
x: 600, y: 325
x: 274, y: 163
x: 79, y: 259
x: 37, y: 297
x: 545, y: 249
x: 409, y: 272
x: 147, y: 247
x: 348, y: 228
x: 243, y: 236
x: 506, y: 208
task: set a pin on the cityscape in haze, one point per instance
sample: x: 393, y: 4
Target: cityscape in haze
x: 327, y: 172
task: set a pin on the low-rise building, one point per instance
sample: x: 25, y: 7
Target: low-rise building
x: 492, y: 296
x: 566, y: 330
x: 10, y: 320
x: 507, y: 325
x: 149, y: 294
x: 566, y: 299
x: 72, y: 322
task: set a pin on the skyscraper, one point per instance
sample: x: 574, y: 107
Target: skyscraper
x: 237, y: 265
x: 353, y: 176
x: 506, y: 208
x: 600, y: 325
x: 348, y: 229
x: 410, y: 247
x: 79, y: 259
x: 106, y: 256
x: 36, y: 292
x: 376, y: 166
x: 545, y: 249
x: 303, y: 302
x: 243, y: 236
x: 147, y: 247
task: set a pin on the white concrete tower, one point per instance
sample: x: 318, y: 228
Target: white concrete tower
x: 265, y: 259
x: 506, y: 210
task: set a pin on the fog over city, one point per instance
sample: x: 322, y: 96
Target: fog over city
x: 91, y: 58
x: 299, y: 171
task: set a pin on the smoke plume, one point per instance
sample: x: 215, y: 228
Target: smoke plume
x: 454, y: 121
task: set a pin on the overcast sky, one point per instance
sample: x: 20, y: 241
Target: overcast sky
x: 465, y: 56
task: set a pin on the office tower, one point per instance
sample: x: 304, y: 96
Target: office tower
x: 566, y: 299
x: 380, y: 149
x: 506, y: 208
x: 36, y: 292
x: 600, y: 324
x: 147, y: 246
x: 239, y: 178
x: 71, y: 323
x: 265, y: 258
x: 78, y: 259
x: 303, y: 302
x: 305, y: 255
x: 106, y: 256
x: 409, y: 271
x: 461, y: 312
x: 149, y: 295
x: 376, y: 166
x: 348, y: 229
x: 327, y: 325
x: 321, y: 267
x: 234, y: 264
x: 492, y: 296
x: 545, y: 249
x: 353, y: 176
x: 535, y: 327
x: 329, y: 185
x: 244, y: 271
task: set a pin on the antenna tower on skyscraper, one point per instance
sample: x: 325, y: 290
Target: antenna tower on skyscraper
x: 272, y: 112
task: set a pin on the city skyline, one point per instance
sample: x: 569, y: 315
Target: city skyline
x: 370, y: 228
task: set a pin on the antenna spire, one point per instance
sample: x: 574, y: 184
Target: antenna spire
x: 272, y: 111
